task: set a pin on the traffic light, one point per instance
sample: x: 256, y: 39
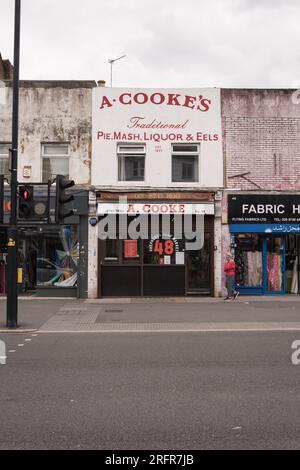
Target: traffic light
x: 32, y: 207
x: 26, y: 202
x: 62, y: 199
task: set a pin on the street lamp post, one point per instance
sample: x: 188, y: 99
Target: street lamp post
x: 12, y: 245
x: 111, y: 62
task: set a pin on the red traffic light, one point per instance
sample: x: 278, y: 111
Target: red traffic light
x: 25, y: 192
x: 25, y: 202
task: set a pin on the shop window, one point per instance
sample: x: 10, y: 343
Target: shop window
x: 111, y: 249
x: 161, y: 250
x: 131, y: 250
x: 4, y: 160
x: 185, y: 163
x: 163, y: 247
x: 248, y: 258
x: 131, y: 162
x: 57, y: 257
x: 292, y: 250
x: 55, y: 160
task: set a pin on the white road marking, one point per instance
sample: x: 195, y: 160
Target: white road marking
x: 194, y: 330
x: 34, y: 335
x: 12, y: 350
x: 27, y: 339
x: 20, y: 345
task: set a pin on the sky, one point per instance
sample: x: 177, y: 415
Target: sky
x: 168, y: 43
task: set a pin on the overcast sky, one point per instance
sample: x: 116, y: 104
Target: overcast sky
x: 168, y: 43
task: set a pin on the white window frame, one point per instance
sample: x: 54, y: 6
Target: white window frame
x: 125, y: 150
x: 57, y: 156
x: 186, y: 153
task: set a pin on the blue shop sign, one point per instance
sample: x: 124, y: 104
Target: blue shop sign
x: 275, y: 229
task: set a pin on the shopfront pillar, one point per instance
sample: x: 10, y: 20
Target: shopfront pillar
x: 218, y: 246
x: 93, y: 248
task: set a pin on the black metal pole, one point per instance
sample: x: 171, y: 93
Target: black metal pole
x: 12, y: 249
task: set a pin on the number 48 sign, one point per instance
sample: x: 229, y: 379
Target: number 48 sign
x: 164, y: 247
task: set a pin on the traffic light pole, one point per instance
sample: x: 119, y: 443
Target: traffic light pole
x: 12, y: 249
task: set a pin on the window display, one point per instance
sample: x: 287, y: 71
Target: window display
x: 248, y: 258
x: 57, y: 257
x: 274, y: 264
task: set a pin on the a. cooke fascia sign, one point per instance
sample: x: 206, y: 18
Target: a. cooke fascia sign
x: 157, y: 118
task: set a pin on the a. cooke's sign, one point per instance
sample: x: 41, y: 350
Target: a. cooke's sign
x: 157, y: 119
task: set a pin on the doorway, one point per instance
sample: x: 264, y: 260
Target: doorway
x: 198, y: 268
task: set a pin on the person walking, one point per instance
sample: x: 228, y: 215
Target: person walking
x: 229, y: 269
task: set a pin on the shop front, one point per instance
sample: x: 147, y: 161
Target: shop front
x: 265, y: 237
x: 51, y: 258
x: 149, y: 255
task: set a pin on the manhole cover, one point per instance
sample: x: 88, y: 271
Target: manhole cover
x: 113, y: 310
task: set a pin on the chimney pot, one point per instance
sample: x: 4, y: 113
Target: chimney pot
x: 101, y: 83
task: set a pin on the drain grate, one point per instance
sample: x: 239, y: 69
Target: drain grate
x: 113, y: 310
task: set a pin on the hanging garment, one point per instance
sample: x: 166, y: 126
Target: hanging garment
x: 294, y: 288
x: 279, y: 270
x: 269, y: 271
x: 288, y: 279
x: 258, y: 268
x: 274, y: 272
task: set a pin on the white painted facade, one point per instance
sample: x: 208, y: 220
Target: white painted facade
x: 157, y: 118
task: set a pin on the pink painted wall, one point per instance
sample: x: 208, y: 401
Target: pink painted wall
x: 261, y: 137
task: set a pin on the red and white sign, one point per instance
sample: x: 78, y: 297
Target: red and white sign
x: 130, y: 249
x: 154, y: 208
x: 157, y: 118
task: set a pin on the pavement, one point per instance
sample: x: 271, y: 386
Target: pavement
x: 32, y: 313
x: 155, y: 315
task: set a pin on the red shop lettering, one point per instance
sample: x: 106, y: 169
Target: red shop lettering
x: 163, y: 208
x: 197, y: 102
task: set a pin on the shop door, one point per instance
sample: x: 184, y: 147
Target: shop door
x: 274, y: 250
x: 198, y: 263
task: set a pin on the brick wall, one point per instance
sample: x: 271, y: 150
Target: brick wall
x: 261, y: 134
